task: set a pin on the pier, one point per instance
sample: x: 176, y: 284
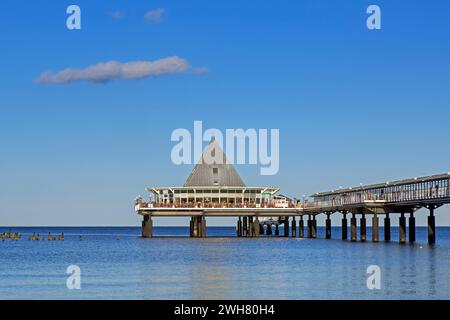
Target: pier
x: 216, y: 190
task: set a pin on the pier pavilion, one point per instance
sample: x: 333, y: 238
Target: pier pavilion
x: 216, y: 190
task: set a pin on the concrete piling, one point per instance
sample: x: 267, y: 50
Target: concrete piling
x: 256, y: 227
x: 301, y: 227
x: 309, y: 227
x: 402, y: 228
x: 314, y: 227
x: 344, y: 226
x: 239, y: 227
x: 375, y: 232
x: 203, y: 219
x: 244, y: 227
x: 147, y: 227
x: 362, y: 228
x: 387, y: 228
x: 277, y: 230
x: 286, y: 227
x: 328, y: 227
x: 353, y: 228
x: 294, y: 228
x: 269, y: 229
x: 431, y: 226
x: 195, y: 231
x: 412, y: 228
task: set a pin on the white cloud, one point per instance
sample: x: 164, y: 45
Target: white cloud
x: 104, y: 72
x: 154, y: 16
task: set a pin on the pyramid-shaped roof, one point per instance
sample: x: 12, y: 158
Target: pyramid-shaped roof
x: 214, y: 169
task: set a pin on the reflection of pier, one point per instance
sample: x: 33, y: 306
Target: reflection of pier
x: 216, y: 190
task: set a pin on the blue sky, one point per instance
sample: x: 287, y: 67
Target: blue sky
x: 352, y: 105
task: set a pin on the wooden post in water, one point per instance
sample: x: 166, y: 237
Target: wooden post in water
x: 363, y: 227
x: 147, y: 227
x: 353, y: 228
x: 344, y: 226
x: 277, y: 230
x: 412, y: 228
x: 328, y: 227
x: 294, y: 228
x: 431, y: 226
x: 301, y: 227
x: 286, y: 227
x: 375, y: 232
x: 250, y: 227
x: 402, y: 228
x: 387, y: 228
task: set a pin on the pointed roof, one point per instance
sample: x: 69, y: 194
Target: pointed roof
x: 214, y: 169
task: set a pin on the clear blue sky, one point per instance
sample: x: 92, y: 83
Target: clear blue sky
x: 352, y: 105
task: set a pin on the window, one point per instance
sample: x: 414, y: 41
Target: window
x: 215, y: 171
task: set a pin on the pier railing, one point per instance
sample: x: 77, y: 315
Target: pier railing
x: 406, y: 191
x: 415, y: 191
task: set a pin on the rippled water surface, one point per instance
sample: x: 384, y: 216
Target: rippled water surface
x: 219, y: 267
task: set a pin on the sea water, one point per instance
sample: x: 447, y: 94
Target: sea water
x: 116, y: 263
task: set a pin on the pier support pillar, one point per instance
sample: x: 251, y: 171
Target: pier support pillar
x: 199, y: 227
x: 239, y: 227
x: 269, y: 229
x: 294, y: 228
x: 344, y: 227
x: 250, y: 227
x: 195, y: 231
x: 301, y: 227
x: 412, y: 228
x: 375, y: 232
x: 244, y: 227
x: 286, y: 227
x: 328, y: 227
x: 362, y: 227
x: 431, y: 227
x: 402, y: 228
x: 314, y: 227
x: 256, y: 227
x: 203, y: 223
x: 277, y: 230
x: 387, y: 228
x: 309, y: 225
x: 353, y: 228
x: 191, y: 227
x: 147, y: 227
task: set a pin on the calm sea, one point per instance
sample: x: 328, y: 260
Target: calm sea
x: 220, y: 267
